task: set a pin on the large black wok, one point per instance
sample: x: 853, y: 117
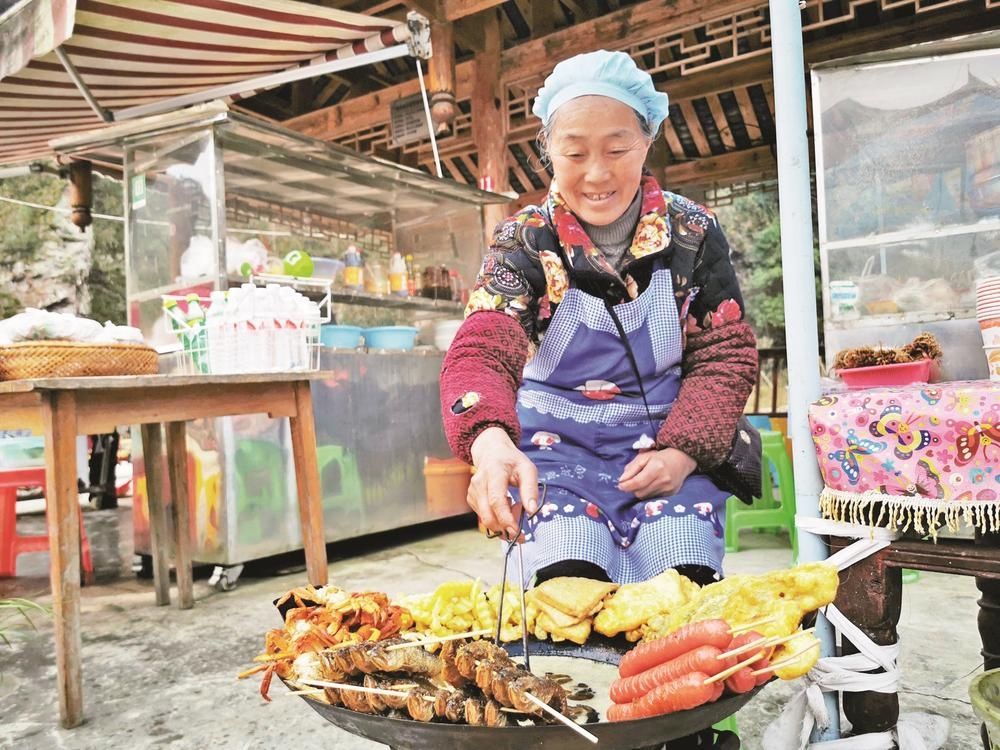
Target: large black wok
x: 404, y: 734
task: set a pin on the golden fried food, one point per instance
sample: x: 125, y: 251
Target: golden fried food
x: 803, y: 651
x: 577, y: 597
x: 781, y: 598
x: 634, y: 604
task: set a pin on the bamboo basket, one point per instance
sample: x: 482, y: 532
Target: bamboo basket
x: 72, y: 359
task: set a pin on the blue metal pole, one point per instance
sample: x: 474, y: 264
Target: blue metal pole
x: 798, y: 272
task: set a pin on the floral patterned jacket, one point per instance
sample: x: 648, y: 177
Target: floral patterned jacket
x: 524, y: 278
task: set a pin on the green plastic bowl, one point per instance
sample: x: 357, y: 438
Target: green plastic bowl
x: 985, y: 694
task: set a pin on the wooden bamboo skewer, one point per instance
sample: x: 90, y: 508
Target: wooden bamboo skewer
x: 763, y: 643
x: 359, y: 688
x: 752, y: 624
x: 725, y: 673
x: 787, y: 660
x: 565, y: 720
x: 439, y: 639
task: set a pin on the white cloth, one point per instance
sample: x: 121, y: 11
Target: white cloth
x: 807, y: 710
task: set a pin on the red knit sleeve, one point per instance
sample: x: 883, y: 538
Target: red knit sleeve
x: 480, y: 377
x: 719, y: 370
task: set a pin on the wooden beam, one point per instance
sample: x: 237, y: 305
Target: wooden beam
x: 634, y: 24
x: 441, y: 77
x: 542, y: 19
x: 363, y: 112
x: 753, y: 164
x: 455, y: 9
x: 489, y: 124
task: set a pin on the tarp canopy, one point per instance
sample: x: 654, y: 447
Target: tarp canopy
x: 136, y: 52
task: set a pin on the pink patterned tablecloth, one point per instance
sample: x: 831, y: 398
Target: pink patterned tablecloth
x: 915, y: 456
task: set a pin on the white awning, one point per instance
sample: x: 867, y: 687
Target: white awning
x: 130, y: 53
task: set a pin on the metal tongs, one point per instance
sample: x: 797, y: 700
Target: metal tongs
x: 511, y: 544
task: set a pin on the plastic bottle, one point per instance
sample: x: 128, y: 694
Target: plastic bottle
x: 246, y: 342
x: 214, y: 332
x: 353, y: 268
x: 397, y: 276
x: 197, y: 339
x: 411, y: 276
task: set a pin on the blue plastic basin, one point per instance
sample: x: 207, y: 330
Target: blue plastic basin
x: 340, y: 337
x: 391, y: 337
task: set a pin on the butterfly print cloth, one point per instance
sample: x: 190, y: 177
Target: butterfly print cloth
x: 912, y: 457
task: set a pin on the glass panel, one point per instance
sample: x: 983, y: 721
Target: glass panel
x: 910, y: 147
x: 171, y: 230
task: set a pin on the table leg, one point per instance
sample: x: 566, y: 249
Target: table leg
x: 989, y: 607
x: 307, y: 482
x: 152, y: 452
x: 63, y: 519
x: 177, y: 464
x: 871, y: 596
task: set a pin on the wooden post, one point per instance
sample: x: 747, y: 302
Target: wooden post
x: 489, y: 122
x: 441, y: 71
x: 152, y: 453
x: 871, y: 596
x: 63, y: 521
x: 177, y: 464
x: 989, y: 606
x: 303, y: 430
x: 80, y: 191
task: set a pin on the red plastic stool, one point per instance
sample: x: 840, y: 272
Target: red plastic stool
x: 12, y: 544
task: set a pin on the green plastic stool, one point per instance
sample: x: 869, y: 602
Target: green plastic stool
x: 261, y: 494
x: 766, y: 512
x: 343, y: 503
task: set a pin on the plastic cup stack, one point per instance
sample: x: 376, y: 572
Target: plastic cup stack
x: 988, y: 315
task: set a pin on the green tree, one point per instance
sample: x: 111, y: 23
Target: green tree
x: 106, y: 280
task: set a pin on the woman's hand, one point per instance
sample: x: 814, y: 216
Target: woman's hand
x: 656, y: 473
x: 499, y: 465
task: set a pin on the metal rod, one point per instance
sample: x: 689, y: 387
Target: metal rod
x: 263, y: 82
x: 503, y: 595
x: 430, y: 121
x: 74, y: 75
x: 524, y: 607
x: 798, y: 274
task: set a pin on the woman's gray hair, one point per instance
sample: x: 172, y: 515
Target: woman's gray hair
x: 544, y: 137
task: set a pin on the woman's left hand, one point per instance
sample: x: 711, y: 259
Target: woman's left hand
x: 656, y: 473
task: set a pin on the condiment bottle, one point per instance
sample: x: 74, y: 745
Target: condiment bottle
x: 397, y: 276
x: 353, y: 268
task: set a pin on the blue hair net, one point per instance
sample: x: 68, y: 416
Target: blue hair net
x: 602, y: 73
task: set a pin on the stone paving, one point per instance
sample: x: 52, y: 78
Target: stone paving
x: 157, y: 677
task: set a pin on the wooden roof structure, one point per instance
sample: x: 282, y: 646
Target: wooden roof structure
x: 713, y: 59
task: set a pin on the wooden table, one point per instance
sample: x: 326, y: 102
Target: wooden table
x: 63, y: 408
x: 871, y: 593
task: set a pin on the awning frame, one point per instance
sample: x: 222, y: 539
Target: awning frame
x: 417, y: 44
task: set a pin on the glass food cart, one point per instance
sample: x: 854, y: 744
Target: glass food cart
x: 212, y: 196
x: 908, y: 184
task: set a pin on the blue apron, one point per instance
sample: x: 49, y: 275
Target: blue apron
x: 583, y: 420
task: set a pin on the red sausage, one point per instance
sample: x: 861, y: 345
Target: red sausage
x: 742, y: 681
x: 687, y: 638
x: 689, y: 691
x: 702, y: 659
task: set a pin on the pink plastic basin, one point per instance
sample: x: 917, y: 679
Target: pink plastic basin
x: 905, y: 373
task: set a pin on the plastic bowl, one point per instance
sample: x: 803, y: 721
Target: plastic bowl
x: 985, y: 694
x: 326, y: 268
x: 444, y: 333
x: 391, y: 337
x: 340, y: 337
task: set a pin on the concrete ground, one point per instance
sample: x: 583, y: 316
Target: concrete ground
x: 158, y: 677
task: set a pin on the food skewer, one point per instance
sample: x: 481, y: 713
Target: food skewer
x: 791, y: 658
x: 358, y: 688
x: 725, y: 673
x: 439, y: 639
x: 559, y: 717
x: 763, y: 643
x: 752, y: 624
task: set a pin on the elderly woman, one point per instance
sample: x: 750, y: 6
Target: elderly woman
x: 604, y: 356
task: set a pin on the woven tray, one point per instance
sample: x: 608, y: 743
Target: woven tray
x: 70, y: 359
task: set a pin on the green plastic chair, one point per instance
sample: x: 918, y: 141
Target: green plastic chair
x: 768, y: 512
x: 343, y: 503
x: 729, y: 724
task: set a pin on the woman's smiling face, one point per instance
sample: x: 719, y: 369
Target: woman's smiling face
x: 597, y: 149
